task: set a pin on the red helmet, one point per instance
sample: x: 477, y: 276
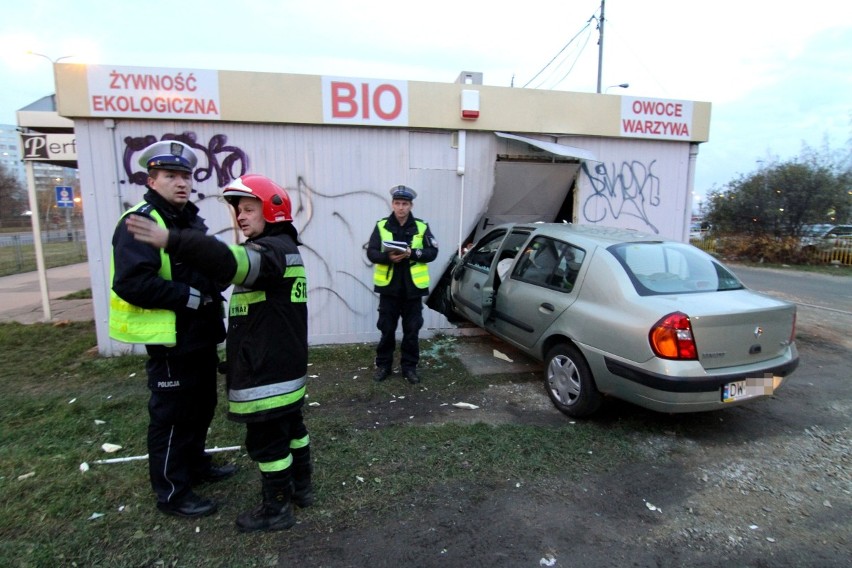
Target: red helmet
x: 276, y: 202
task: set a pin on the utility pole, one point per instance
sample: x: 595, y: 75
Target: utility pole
x: 600, y: 44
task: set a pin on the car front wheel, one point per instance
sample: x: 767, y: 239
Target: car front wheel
x: 569, y: 382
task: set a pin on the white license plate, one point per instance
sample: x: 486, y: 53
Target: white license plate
x: 748, y: 388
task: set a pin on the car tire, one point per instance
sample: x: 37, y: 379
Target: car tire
x: 569, y: 382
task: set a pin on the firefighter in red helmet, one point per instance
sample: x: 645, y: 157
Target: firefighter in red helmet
x: 267, y: 344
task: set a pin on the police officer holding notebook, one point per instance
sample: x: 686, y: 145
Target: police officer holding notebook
x: 399, y: 248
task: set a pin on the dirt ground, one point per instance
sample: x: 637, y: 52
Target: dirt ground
x: 761, y: 485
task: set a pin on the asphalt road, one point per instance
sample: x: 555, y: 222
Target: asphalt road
x: 808, y: 289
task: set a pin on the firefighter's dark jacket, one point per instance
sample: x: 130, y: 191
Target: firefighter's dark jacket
x: 267, y: 343
x: 401, y: 279
x: 136, y: 280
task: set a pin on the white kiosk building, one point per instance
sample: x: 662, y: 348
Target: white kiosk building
x: 477, y: 155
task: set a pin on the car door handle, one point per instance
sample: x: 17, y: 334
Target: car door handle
x: 548, y: 307
x: 476, y: 286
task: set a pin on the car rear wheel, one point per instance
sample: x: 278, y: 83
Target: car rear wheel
x: 569, y: 382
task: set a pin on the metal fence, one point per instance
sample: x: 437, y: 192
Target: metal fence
x: 60, y: 247
x: 835, y: 254
x: 839, y: 255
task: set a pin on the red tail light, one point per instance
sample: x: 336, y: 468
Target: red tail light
x: 793, y: 331
x: 671, y: 338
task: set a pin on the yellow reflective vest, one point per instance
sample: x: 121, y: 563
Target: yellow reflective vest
x: 382, y: 273
x: 132, y: 324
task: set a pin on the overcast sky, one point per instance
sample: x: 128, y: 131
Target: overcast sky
x: 779, y: 75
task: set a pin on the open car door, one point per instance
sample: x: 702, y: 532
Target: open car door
x: 475, y: 279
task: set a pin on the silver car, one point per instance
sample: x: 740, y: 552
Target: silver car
x: 618, y: 313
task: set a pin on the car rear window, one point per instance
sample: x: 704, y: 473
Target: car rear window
x: 672, y: 268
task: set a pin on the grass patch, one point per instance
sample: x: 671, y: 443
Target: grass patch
x: 78, y: 295
x: 369, y: 463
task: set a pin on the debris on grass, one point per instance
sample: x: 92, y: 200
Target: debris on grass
x: 503, y: 356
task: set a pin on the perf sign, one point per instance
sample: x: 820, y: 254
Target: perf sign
x: 364, y: 101
x: 656, y: 118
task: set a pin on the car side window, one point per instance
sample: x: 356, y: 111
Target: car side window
x: 482, y: 256
x: 551, y: 263
x: 839, y: 231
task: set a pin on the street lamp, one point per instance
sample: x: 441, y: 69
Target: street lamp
x: 620, y: 86
x: 58, y: 59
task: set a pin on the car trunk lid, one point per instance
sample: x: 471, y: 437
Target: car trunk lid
x: 749, y: 327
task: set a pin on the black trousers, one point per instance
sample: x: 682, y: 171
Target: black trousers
x: 391, y: 309
x: 280, y: 446
x: 181, y: 407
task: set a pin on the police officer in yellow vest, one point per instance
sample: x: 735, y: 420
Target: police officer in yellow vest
x: 177, y: 313
x: 399, y: 248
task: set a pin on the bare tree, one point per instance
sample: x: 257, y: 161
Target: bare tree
x: 13, y: 196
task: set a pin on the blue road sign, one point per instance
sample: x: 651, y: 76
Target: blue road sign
x: 64, y: 196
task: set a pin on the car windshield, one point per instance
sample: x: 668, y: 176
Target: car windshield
x: 815, y: 230
x: 672, y: 268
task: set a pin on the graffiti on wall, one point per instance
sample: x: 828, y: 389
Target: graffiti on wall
x: 308, y: 202
x: 216, y: 159
x: 224, y: 163
x: 629, y: 190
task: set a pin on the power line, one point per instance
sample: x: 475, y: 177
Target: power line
x: 584, y: 28
x: 634, y: 53
x: 576, y: 59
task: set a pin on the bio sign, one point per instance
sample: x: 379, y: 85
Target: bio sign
x: 364, y: 101
x: 656, y: 118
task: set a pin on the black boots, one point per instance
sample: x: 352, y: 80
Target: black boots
x: 303, y: 491
x: 275, y: 513
x: 190, y: 506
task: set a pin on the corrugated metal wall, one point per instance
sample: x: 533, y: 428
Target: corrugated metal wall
x: 338, y: 179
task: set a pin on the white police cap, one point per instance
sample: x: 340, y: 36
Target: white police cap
x: 169, y: 155
x: 402, y: 192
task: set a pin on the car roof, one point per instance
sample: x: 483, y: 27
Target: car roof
x: 823, y: 228
x: 590, y: 234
